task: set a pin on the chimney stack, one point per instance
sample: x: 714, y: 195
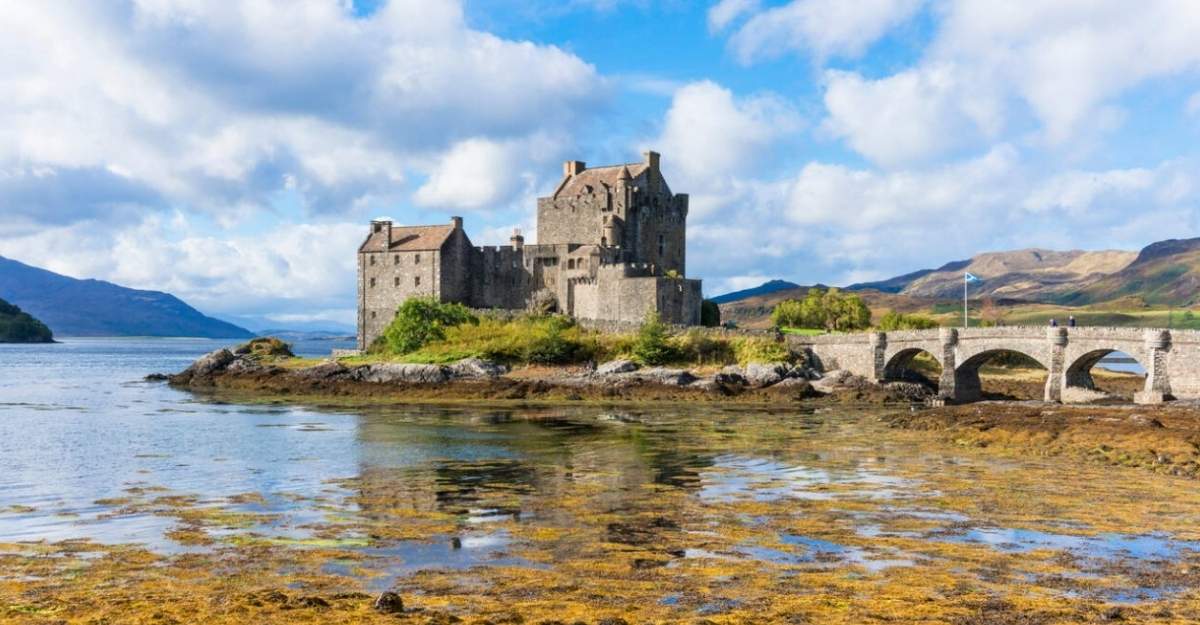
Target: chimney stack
x: 456, y: 222
x: 652, y: 158
x: 574, y: 168
x: 516, y: 239
x: 384, y: 226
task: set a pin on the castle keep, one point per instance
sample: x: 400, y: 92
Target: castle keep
x: 611, y: 247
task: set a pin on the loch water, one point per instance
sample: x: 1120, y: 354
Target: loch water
x: 90, y: 451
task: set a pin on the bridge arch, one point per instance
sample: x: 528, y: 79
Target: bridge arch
x: 1078, y: 372
x: 899, y: 367
x: 967, y: 385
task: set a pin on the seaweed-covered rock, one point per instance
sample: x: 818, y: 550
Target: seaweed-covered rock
x: 391, y: 373
x: 265, y: 347
x: 731, y: 376
x: 476, y: 368
x: 389, y: 603
x: 616, y: 366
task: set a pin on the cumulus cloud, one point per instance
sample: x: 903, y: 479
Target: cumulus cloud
x: 992, y: 65
x: 725, y: 12
x: 710, y: 136
x: 822, y: 28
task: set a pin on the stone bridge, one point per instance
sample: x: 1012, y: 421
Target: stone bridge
x: 1171, y: 358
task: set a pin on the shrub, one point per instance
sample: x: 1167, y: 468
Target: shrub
x: 759, y: 349
x: 651, y: 346
x: 421, y: 320
x: 265, y: 347
x: 710, y: 314
x: 898, y: 321
x: 550, y: 344
x: 701, y: 348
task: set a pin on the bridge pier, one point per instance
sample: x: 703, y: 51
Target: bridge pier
x: 948, y: 383
x: 1055, y: 374
x: 1158, y: 382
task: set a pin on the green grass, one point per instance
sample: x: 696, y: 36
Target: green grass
x: 804, y: 331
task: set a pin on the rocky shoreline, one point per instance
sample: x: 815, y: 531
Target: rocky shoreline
x: 474, y: 379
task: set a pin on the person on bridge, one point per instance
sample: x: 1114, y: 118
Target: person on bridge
x: 1053, y: 322
x: 1071, y: 321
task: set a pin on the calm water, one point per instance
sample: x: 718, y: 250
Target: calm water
x: 86, y: 447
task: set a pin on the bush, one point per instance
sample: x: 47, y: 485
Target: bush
x: 830, y: 309
x: 651, y: 346
x: 550, y: 345
x: 898, y: 321
x: 422, y: 320
x: 710, y: 314
x: 759, y: 349
x: 701, y: 348
x: 265, y: 347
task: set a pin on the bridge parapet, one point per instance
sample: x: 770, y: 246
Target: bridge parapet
x: 1171, y: 357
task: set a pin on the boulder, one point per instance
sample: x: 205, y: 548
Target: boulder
x: 616, y: 366
x: 388, y: 603
x: 730, y: 376
x: 391, y: 373
x: 666, y: 377
x: 766, y: 374
x: 476, y: 368
x: 327, y: 370
x: 242, y: 365
x: 210, y: 363
x: 838, y: 379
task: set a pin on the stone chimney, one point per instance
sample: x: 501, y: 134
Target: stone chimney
x: 573, y: 168
x: 456, y: 222
x: 516, y: 239
x: 384, y: 226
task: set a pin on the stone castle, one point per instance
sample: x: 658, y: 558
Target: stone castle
x: 611, y: 247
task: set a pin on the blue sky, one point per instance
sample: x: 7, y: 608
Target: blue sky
x: 232, y: 153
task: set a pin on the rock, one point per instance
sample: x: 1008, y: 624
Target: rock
x: 308, y: 602
x: 476, y: 368
x: 242, y: 365
x: 1080, y: 395
x: 838, y: 379
x: 157, y: 377
x: 666, y: 377
x: 766, y: 374
x: 731, y: 376
x: 405, y: 374
x: 616, y: 366
x: 909, y: 391
x: 210, y: 363
x: 1144, y: 421
x: 388, y: 603
x: 327, y: 370
x: 803, y: 372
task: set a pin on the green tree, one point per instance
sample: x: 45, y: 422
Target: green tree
x: 651, y: 346
x: 710, y: 314
x: 422, y: 320
x: 830, y: 309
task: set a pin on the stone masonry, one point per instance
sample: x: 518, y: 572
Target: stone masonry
x: 611, y: 246
x: 1068, y: 355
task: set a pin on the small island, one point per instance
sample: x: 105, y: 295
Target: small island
x: 18, y: 326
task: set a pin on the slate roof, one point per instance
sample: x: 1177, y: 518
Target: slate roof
x: 599, y: 177
x: 408, y: 239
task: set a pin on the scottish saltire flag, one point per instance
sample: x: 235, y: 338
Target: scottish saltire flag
x: 970, y: 277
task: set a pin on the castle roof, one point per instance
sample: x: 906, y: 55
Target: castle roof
x: 408, y: 239
x: 598, y: 177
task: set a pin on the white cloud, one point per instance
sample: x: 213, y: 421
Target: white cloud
x: 1193, y: 104
x: 709, y: 135
x: 725, y: 12
x: 823, y: 28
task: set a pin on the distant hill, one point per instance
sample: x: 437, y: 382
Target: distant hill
x: 72, y: 307
x: 16, y: 326
x: 899, y: 283
x: 1163, y: 273
x: 762, y: 289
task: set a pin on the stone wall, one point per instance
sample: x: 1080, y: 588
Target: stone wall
x: 386, y: 279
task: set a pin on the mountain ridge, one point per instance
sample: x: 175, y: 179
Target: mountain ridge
x: 89, y: 307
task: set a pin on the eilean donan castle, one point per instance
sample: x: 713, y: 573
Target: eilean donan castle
x: 610, y: 247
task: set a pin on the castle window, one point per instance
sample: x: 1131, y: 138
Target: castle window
x: 372, y: 257
x: 417, y: 281
x: 417, y: 259
x: 372, y: 283
x: 571, y: 263
x: 396, y: 281
x: 372, y: 314
x: 397, y: 260
x: 662, y: 245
